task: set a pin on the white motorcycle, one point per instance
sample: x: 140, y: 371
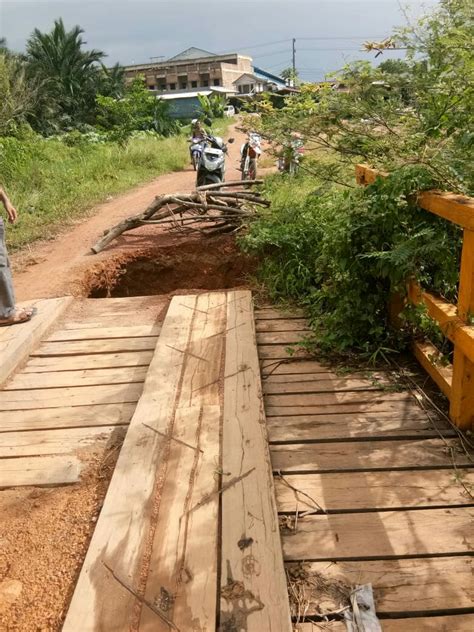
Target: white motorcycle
x: 211, y: 166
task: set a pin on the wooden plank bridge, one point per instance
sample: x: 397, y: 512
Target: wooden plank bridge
x: 243, y: 466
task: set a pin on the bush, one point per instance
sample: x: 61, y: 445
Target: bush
x: 342, y: 253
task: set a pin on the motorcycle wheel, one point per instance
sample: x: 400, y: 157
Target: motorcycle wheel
x: 252, y: 173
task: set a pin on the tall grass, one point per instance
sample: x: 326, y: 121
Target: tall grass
x: 53, y: 183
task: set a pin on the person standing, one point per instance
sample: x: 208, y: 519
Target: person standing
x: 10, y: 314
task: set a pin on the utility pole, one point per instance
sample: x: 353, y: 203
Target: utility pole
x: 294, y: 60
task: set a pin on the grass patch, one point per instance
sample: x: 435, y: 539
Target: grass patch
x: 53, y: 184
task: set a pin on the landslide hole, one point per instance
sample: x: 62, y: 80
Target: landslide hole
x: 203, y: 265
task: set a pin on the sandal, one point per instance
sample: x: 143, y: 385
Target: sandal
x: 20, y: 316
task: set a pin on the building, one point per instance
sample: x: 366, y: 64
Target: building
x: 192, y: 69
x: 181, y: 78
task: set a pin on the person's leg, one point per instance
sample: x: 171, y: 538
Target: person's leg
x: 7, y: 296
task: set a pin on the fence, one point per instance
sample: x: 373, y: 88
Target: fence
x: 456, y: 380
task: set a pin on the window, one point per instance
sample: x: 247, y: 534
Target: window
x: 152, y: 87
x: 205, y: 83
x: 194, y: 84
x: 162, y: 86
x: 172, y: 86
x: 246, y: 88
x: 183, y: 85
x: 217, y: 82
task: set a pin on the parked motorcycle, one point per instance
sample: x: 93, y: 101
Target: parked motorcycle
x: 211, y: 165
x: 250, y: 152
x: 290, y: 159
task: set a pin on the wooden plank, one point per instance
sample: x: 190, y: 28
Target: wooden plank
x: 355, y: 491
x: 378, y: 377
x: 295, y: 324
x: 275, y: 351
x: 446, y: 315
x: 278, y: 314
x: 88, y: 361
x: 17, y: 342
x: 426, y: 353
x: 302, y: 400
x: 66, y: 417
x: 102, y: 333
x: 41, y: 471
x: 446, y: 584
x: 462, y: 390
x: 121, y: 537
x: 64, y: 441
x: 385, y: 534
x: 251, y: 549
x: 284, y: 367
x: 282, y: 337
x: 61, y: 379
x: 450, y: 623
x: 397, y: 408
x: 334, y: 385
x: 343, y: 426
x: 116, y: 345
x: 369, y: 455
x: 185, y: 543
x: 74, y: 396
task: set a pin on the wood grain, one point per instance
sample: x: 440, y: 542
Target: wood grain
x: 120, y: 540
x: 369, y: 455
x: 251, y: 549
x: 392, y: 533
x: 41, y: 471
x: 81, y: 347
x: 64, y: 441
x: 73, y: 396
x: 355, y: 491
x: 65, y: 379
x: 88, y: 361
x: 17, y: 342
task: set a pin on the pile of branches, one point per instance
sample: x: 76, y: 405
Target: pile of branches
x: 208, y: 210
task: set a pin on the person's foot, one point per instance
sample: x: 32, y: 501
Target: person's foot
x: 20, y: 315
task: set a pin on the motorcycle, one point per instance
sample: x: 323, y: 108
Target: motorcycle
x: 211, y: 165
x: 195, y: 151
x: 250, y: 152
x: 289, y: 161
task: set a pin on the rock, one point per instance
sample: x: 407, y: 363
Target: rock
x: 10, y: 590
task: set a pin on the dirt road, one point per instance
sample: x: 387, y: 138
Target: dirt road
x: 55, y: 268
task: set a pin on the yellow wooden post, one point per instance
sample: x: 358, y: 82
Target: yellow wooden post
x: 462, y: 390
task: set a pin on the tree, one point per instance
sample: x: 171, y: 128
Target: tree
x: 290, y: 75
x: 138, y: 109
x: 68, y: 74
x: 18, y: 94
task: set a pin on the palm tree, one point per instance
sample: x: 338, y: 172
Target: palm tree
x: 68, y: 74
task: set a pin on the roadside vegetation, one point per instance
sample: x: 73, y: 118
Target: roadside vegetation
x: 342, y: 250
x: 72, y: 132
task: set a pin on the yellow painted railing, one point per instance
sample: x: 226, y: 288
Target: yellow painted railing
x: 456, y: 380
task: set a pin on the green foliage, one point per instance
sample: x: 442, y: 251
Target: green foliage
x: 138, y: 109
x: 18, y: 95
x: 340, y: 249
x: 341, y: 253
x: 212, y: 106
x: 54, y: 181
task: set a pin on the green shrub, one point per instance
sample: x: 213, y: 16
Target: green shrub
x: 341, y: 254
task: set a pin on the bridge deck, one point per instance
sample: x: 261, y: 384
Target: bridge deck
x: 78, y: 387
x: 371, y: 486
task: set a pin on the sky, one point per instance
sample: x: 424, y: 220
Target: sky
x: 328, y: 33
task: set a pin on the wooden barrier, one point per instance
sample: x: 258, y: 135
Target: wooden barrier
x: 456, y: 380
